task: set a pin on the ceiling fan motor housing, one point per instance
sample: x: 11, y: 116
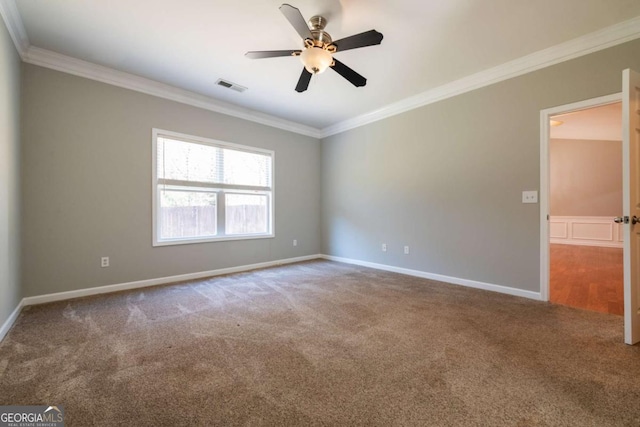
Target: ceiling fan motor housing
x: 318, y: 48
x: 321, y: 38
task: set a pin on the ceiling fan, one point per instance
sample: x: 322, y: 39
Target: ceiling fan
x: 317, y: 54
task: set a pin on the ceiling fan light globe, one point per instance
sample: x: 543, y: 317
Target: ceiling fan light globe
x: 316, y: 60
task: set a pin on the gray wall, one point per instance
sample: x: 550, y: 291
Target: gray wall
x: 585, y: 177
x: 87, y: 186
x: 10, y: 293
x: 446, y: 179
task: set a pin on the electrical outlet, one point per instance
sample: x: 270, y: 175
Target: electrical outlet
x: 529, y: 197
x: 406, y: 250
x: 384, y: 247
x: 295, y: 242
x: 104, y: 261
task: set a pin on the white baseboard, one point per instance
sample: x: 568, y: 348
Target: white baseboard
x: 441, y: 278
x: 585, y: 243
x: 60, y: 296
x: 6, y: 326
x: 585, y: 231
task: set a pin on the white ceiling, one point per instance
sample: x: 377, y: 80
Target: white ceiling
x: 600, y: 124
x: 191, y: 43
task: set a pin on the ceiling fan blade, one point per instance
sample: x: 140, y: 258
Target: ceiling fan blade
x: 303, y: 83
x: 295, y: 18
x: 346, y: 72
x: 260, y: 54
x: 368, y: 38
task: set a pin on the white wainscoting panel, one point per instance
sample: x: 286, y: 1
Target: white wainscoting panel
x: 558, y: 229
x: 585, y: 230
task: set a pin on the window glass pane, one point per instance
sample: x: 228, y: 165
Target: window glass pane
x: 243, y: 168
x: 191, y: 171
x: 187, y: 214
x: 186, y: 161
x: 246, y: 213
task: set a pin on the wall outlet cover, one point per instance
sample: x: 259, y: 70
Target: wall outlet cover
x: 529, y: 197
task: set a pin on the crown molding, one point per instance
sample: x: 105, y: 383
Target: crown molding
x: 592, y: 42
x: 77, y: 67
x: 56, y: 61
x: 13, y: 21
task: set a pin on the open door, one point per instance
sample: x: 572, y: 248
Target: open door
x: 631, y: 203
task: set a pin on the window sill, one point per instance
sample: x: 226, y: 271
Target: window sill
x: 212, y: 240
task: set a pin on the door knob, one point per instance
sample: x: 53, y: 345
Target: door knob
x: 625, y: 220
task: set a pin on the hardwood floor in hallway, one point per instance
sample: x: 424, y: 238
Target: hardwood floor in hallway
x: 587, y: 277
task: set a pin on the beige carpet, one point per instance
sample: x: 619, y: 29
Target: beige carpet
x: 321, y: 343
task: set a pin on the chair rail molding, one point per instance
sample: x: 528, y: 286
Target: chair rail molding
x: 585, y: 231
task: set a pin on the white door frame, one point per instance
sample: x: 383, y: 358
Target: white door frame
x: 545, y: 116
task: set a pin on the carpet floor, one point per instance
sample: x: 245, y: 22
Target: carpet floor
x: 321, y: 343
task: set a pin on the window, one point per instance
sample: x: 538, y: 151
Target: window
x: 206, y: 190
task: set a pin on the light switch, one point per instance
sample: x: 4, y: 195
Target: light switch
x: 529, y: 197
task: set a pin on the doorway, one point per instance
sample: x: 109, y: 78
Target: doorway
x: 585, y: 195
x: 630, y: 218
x: 561, y: 230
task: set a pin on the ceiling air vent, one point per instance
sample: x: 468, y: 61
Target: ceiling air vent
x: 230, y: 85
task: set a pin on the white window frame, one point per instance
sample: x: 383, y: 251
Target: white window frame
x: 217, y: 188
